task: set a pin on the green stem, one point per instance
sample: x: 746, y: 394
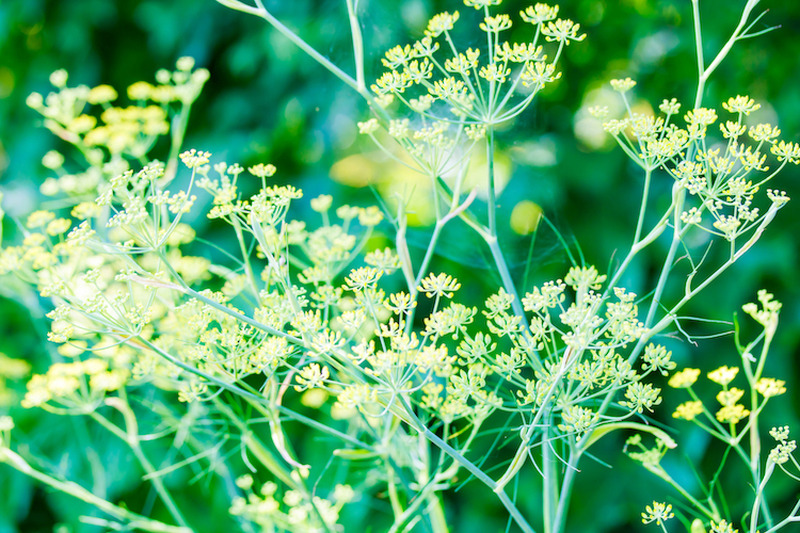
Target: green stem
x: 131, y: 437
x: 468, y: 465
x: 247, y: 393
x: 358, y: 45
x: 794, y: 516
x: 643, y: 208
x: 667, y: 268
x: 759, y: 499
x: 505, y: 277
x: 261, y: 11
x: 705, y: 72
x: 660, y: 472
x: 550, y: 480
x: 248, y: 268
x: 571, y: 467
x: 178, y: 130
x: 266, y: 458
x: 492, y: 201
x: 133, y: 520
x: 691, y: 293
x: 436, y: 513
x: 698, y: 42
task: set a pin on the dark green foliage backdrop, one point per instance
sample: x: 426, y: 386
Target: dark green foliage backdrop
x: 267, y: 102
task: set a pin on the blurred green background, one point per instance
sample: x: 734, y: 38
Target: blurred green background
x: 267, y: 102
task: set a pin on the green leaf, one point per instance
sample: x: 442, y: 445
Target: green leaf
x: 605, y: 429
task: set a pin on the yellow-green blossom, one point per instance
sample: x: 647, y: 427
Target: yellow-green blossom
x: 685, y: 378
x: 688, y: 410
x: 723, y: 375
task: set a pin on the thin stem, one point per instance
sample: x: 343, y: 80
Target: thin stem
x: 643, y: 208
x: 178, y: 130
x: 793, y: 517
x: 505, y: 276
x: 660, y: 472
x: 492, y: 201
x: 358, y: 45
x: 247, y: 393
x: 468, y: 465
x: 698, y: 40
x: 559, y: 522
x: 738, y: 33
x: 248, y: 268
x: 550, y: 481
x: 133, y: 520
x: 668, y: 262
x: 691, y: 293
x: 266, y: 458
x: 759, y: 499
x: 261, y: 11
x: 131, y: 437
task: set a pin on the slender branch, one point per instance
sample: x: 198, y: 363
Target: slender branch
x: 133, y: 520
x: 263, y: 13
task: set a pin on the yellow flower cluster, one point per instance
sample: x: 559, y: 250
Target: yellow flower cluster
x: 458, y: 92
x: 724, y: 182
x: 108, y: 135
x: 76, y: 385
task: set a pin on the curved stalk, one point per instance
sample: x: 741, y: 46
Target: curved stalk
x: 132, y: 520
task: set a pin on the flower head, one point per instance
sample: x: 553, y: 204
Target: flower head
x: 659, y: 513
x: 623, y: 86
x: 688, y: 410
x: 684, y: 379
x: 723, y: 375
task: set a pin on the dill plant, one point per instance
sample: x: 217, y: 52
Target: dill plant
x: 402, y: 379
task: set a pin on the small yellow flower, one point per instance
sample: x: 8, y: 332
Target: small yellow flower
x: 262, y: 171
x: 732, y: 414
x: 769, y: 387
x: 741, y: 104
x: 102, y: 94
x: 441, y: 23
x: 245, y: 482
x: 140, y: 90
x: 441, y: 285
x: 370, y: 216
x: 34, y: 101
x: 82, y: 124
x: 688, y: 410
x: 539, y: 13
x: 370, y: 126
x: 496, y: 24
x: 684, y: 379
x: 185, y: 63
x: 723, y: 527
x: 322, y: 203
x: 669, y: 107
x: 730, y: 397
x: 659, y: 513
x: 6, y: 423
x: 193, y: 159
x: 312, y: 376
x: 59, y: 78
x: 38, y: 219
x: 782, y: 452
x: 723, y: 375
x: 701, y: 116
x: 563, y: 31
x: 480, y: 4
x: 781, y: 433
x: 623, y: 86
